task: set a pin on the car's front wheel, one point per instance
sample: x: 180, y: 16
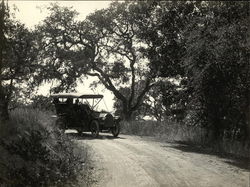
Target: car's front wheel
x: 116, y: 129
x: 94, y: 128
x: 79, y: 131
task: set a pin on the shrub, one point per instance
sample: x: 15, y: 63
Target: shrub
x: 35, y: 153
x: 174, y: 131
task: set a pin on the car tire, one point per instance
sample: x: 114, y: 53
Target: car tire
x: 60, y: 124
x: 94, y: 128
x: 79, y: 131
x: 116, y: 129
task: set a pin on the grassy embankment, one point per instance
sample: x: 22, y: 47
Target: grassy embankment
x: 35, y: 153
x: 192, y: 135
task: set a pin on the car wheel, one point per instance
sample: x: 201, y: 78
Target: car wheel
x: 79, y: 131
x: 94, y: 128
x: 60, y: 124
x: 116, y: 129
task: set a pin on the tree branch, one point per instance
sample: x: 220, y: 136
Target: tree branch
x: 104, y: 78
x: 132, y: 88
x: 147, y: 87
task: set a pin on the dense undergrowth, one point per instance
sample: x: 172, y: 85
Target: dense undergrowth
x: 35, y: 153
x: 194, y: 135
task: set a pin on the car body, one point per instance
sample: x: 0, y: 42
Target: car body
x: 75, y: 112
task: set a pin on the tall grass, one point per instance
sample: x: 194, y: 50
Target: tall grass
x: 35, y: 153
x: 171, y: 131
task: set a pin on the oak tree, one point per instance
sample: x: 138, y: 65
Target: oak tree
x: 17, y: 60
x: 104, y: 45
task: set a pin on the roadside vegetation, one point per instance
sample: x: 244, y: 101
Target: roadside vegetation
x: 200, y: 54
x: 35, y: 153
x: 177, y: 132
x: 183, y: 63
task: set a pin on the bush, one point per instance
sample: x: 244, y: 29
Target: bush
x: 35, y: 153
x: 173, y: 131
x: 169, y: 130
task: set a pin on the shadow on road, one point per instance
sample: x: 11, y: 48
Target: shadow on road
x: 86, y: 136
x: 243, y: 163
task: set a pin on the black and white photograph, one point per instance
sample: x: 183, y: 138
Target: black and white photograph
x: 124, y: 93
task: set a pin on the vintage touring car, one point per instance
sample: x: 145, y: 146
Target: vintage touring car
x: 77, y: 111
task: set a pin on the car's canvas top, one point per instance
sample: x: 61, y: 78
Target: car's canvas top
x: 76, y: 95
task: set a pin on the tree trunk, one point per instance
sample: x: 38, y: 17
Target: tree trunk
x: 247, y: 117
x: 127, y: 115
x: 247, y: 112
x: 4, y: 113
x: 216, y: 129
x: 3, y: 103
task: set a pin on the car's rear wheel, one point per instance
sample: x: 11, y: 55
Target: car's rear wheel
x: 116, y: 129
x: 94, y: 128
x: 60, y: 124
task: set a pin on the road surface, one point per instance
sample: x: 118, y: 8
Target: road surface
x: 138, y: 161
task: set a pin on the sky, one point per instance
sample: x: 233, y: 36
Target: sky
x: 32, y: 12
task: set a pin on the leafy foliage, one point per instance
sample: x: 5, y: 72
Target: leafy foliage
x: 217, y: 65
x: 105, y: 45
x: 35, y: 153
x: 204, y: 45
x: 18, y: 60
x: 130, y: 46
x: 42, y: 103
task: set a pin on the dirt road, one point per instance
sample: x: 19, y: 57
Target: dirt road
x: 134, y: 161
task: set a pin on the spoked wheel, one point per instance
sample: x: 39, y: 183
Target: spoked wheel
x: 79, y: 131
x: 60, y: 124
x: 115, y: 130
x: 94, y: 128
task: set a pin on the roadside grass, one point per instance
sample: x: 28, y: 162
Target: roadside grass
x: 34, y: 152
x: 171, y: 131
